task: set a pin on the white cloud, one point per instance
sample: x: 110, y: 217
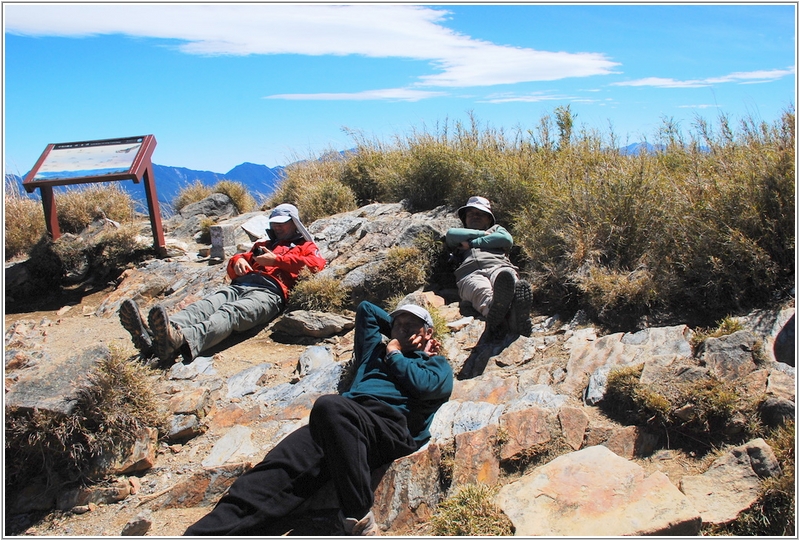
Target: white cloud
x: 372, y: 30
x: 740, y: 77
x: 391, y: 94
x: 531, y: 98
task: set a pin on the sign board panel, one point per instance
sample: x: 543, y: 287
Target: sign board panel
x: 89, y: 159
x: 102, y: 160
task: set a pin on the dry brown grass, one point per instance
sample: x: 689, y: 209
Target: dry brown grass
x: 117, y: 401
x: 699, y: 228
x: 24, y: 221
x: 78, y: 207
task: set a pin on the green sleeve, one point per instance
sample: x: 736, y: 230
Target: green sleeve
x: 496, y: 237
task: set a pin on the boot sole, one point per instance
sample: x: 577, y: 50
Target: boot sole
x: 159, y: 324
x: 523, y: 301
x: 503, y: 294
x: 132, y: 321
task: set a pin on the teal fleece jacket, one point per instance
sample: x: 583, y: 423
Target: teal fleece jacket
x: 415, y: 383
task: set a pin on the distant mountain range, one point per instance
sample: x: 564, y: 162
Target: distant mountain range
x: 260, y: 180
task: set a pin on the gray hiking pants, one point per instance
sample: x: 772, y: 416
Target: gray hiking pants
x: 476, y: 287
x: 234, y: 308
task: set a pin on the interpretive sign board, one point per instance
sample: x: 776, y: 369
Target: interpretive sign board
x: 102, y: 160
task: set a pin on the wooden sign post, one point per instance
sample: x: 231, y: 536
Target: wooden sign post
x: 104, y: 160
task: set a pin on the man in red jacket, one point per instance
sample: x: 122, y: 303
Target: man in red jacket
x: 260, y: 284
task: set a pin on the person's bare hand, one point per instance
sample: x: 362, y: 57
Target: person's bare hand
x: 267, y: 258
x: 432, y: 347
x: 465, y: 244
x: 242, y: 267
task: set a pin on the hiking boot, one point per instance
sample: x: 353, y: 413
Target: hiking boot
x: 167, y: 338
x: 521, y: 309
x: 502, y: 295
x: 365, y: 526
x: 132, y: 321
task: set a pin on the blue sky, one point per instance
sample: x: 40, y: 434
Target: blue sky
x: 223, y: 84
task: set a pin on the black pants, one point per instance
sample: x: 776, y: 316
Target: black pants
x: 345, y: 440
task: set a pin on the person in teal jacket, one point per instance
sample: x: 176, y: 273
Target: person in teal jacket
x: 398, y: 386
x: 485, y: 276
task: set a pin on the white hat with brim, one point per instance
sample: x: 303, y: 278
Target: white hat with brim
x: 285, y: 212
x: 414, y: 310
x: 476, y: 202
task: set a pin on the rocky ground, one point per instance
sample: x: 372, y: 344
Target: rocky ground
x: 76, y: 320
x: 556, y: 362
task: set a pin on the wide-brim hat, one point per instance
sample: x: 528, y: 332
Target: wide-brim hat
x: 415, y: 310
x: 285, y: 212
x: 476, y: 202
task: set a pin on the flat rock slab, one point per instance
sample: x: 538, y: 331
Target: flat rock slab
x: 54, y: 385
x: 594, y: 492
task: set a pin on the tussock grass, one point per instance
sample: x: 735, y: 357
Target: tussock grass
x: 315, y: 188
x: 79, y: 207
x: 402, y: 271
x: 696, y: 415
x: 191, y: 193
x: 470, y: 512
x: 24, y: 220
x: 315, y: 292
x: 699, y: 228
x: 725, y: 326
x: 197, y: 191
x: 117, y: 402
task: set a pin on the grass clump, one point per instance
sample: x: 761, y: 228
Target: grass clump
x: 197, y: 191
x: 321, y: 293
x: 725, y: 326
x: 79, y: 207
x: 23, y: 220
x: 402, y: 271
x: 693, y: 414
x: 62, y: 449
x: 191, y: 193
x: 314, y: 187
x: 242, y: 200
x: 470, y: 512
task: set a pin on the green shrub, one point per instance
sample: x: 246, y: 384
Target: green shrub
x: 470, y: 512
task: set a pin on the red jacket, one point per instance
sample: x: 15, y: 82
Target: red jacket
x: 292, y: 257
